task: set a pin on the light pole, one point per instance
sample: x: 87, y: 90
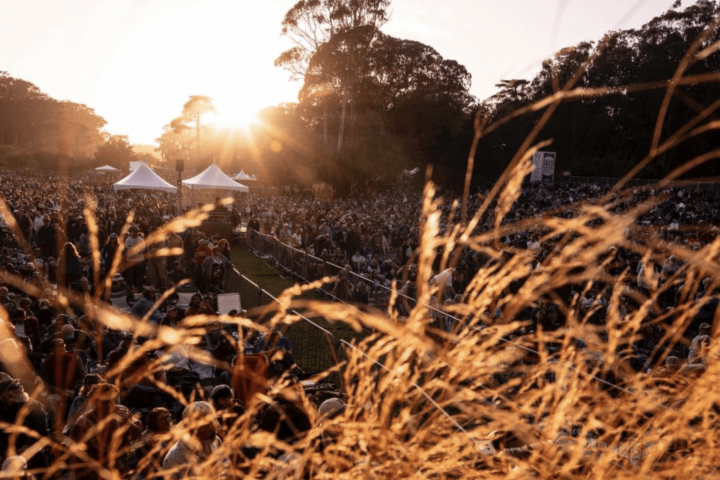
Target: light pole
x: 179, y: 166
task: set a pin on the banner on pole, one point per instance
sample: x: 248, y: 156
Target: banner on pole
x: 543, y: 167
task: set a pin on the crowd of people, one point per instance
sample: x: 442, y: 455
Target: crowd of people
x: 370, y: 241
x: 63, y: 373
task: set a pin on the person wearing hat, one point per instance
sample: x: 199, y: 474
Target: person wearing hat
x: 331, y: 408
x: 213, y: 241
x: 15, y: 405
x: 195, y: 453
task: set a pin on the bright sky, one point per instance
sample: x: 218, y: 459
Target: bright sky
x: 136, y: 62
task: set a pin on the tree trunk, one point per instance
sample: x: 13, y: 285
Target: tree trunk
x: 342, y: 121
x: 325, y: 126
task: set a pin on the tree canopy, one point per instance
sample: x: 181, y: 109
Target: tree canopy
x: 32, y: 121
x: 615, y: 115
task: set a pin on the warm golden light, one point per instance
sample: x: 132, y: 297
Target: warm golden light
x: 276, y: 146
x: 233, y: 118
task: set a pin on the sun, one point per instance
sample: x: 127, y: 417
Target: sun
x: 233, y: 117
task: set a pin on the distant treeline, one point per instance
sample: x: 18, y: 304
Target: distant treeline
x: 38, y: 131
x: 608, y: 127
x: 372, y: 105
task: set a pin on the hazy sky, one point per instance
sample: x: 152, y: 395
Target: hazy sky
x: 137, y: 61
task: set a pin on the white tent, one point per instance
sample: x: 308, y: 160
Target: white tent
x: 214, y: 178
x: 135, y: 165
x: 144, y: 178
x: 242, y: 176
x: 107, y: 168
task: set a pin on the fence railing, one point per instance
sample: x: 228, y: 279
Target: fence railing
x: 314, y: 347
x: 636, y: 182
x: 351, y: 288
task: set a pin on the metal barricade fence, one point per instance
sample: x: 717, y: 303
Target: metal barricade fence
x: 251, y: 295
x: 360, y: 291
x: 350, y: 288
x: 314, y: 347
x: 331, y: 270
x: 637, y: 182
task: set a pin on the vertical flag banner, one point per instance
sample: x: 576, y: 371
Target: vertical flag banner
x: 548, y: 166
x: 536, y: 175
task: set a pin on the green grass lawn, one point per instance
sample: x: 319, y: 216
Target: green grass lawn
x: 274, y: 282
x: 259, y: 272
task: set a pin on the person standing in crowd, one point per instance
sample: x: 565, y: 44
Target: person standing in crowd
x: 69, y: 266
x: 201, y: 254
x: 108, y: 432
x: 135, y: 258
x: 213, y: 271
x: 174, y: 242
x: 46, y: 237
x: 225, y: 248
x: 145, y: 304
x: 157, y: 271
x: 154, y: 440
x: 80, y: 403
x: 107, y: 254
x: 63, y: 370
x: 13, y: 400
x: 229, y: 410
x: 254, y: 224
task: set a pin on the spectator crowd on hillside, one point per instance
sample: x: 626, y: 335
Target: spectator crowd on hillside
x: 62, y: 372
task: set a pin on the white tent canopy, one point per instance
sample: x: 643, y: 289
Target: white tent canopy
x: 242, y: 176
x: 107, y: 168
x: 214, y: 178
x: 144, y: 178
x: 135, y: 165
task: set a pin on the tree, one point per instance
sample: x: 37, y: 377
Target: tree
x: 331, y: 37
x: 311, y: 23
x: 176, y: 141
x: 30, y: 119
x: 390, y: 88
x: 116, y: 152
x: 193, y: 109
x: 608, y: 134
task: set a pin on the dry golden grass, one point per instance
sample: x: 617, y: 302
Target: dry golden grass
x: 422, y: 404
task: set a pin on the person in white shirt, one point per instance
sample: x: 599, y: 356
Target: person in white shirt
x: 297, y: 238
x: 444, y: 282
